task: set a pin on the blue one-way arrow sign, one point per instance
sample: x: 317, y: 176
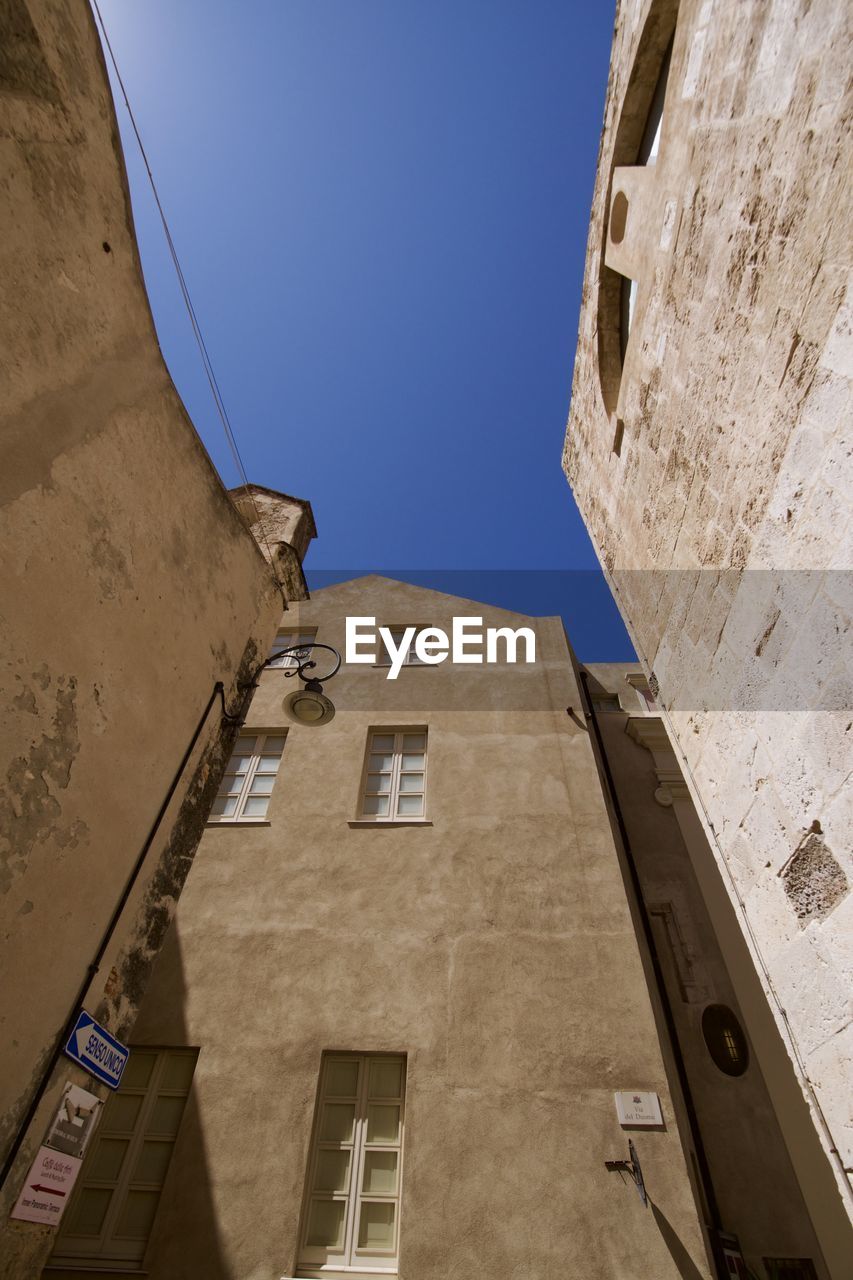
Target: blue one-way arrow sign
x: 97, y: 1051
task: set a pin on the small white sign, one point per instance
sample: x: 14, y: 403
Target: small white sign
x: 637, y: 1108
x: 47, y: 1188
x: 74, y: 1121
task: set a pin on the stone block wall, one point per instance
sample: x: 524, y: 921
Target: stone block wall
x: 710, y: 460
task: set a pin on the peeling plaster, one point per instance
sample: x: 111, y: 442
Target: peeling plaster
x: 30, y: 811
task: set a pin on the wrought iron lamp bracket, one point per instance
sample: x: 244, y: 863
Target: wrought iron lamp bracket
x: 633, y: 1170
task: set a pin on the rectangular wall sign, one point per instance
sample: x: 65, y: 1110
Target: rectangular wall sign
x: 74, y: 1121
x: 637, y: 1108
x: 47, y: 1187
x: 97, y: 1051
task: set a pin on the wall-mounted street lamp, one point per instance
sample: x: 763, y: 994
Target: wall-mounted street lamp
x: 308, y: 705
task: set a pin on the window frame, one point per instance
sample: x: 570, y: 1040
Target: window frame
x: 295, y: 636
x: 350, y: 1259
x: 86, y: 1250
x: 399, y: 733
x: 239, y: 817
x: 397, y: 631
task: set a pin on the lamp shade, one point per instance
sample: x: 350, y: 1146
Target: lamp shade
x: 309, y: 706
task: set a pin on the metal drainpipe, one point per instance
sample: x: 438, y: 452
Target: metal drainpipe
x: 702, y: 1166
x: 66, y: 1031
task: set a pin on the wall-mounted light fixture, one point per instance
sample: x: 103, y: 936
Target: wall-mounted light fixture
x: 308, y: 705
x: 633, y: 1170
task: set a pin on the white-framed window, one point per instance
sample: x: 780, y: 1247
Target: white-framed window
x: 286, y: 640
x: 410, y: 658
x: 112, y: 1207
x: 246, y: 787
x: 351, y: 1213
x: 394, y: 780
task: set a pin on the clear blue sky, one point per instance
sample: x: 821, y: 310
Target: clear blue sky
x: 381, y: 210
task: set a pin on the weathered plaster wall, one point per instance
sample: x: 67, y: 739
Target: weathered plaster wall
x: 723, y: 521
x: 495, y: 947
x: 129, y: 583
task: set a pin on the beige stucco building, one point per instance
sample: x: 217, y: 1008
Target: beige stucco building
x: 410, y: 969
x: 134, y: 598
x: 708, y: 450
x: 380, y: 1018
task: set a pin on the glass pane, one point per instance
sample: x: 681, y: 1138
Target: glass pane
x: 383, y: 1123
x: 332, y: 1171
x: 166, y: 1115
x: 386, y: 1078
x: 223, y: 807
x: 231, y: 785
x: 337, y: 1122
x: 414, y: 742
x: 380, y: 1172
x: 137, y: 1214
x: 378, y: 783
x: 152, y: 1162
x: 408, y: 805
x: 411, y: 782
x: 261, y: 786
x: 121, y: 1112
x: 106, y: 1159
x: 376, y: 805
x: 90, y: 1212
x: 178, y: 1071
x: 138, y: 1071
x: 269, y: 764
x: 380, y: 763
x: 255, y: 807
x: 285, y: 660
x: 273, y: 746
x: 326, y: 1224
x: 382, y: 742
x: 413, y: 761
x: 376, y: 1226
x: 241, y: 756
x: 341, y: 1078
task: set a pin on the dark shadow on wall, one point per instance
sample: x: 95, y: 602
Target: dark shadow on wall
x: 184, y: 1242
x: 682, y: 1259
x: 187, y: 1209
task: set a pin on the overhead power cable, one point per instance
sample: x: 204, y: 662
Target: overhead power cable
x: 185, y: 293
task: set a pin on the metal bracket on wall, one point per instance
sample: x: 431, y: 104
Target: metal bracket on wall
x: 633, y: 1170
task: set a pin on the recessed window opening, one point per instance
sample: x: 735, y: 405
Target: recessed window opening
x: 650, y: 144
x: 627, y: 301
x: 725, y: 1040
x: 286, y: 640
x: 249, y: 778
x: 394, y: 784
x: 112, y: 1208
x: 351, y: 1213
x: 410, y: 658
x: 608, y: 702
x: 637, y: 143
x: 647, y: 155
